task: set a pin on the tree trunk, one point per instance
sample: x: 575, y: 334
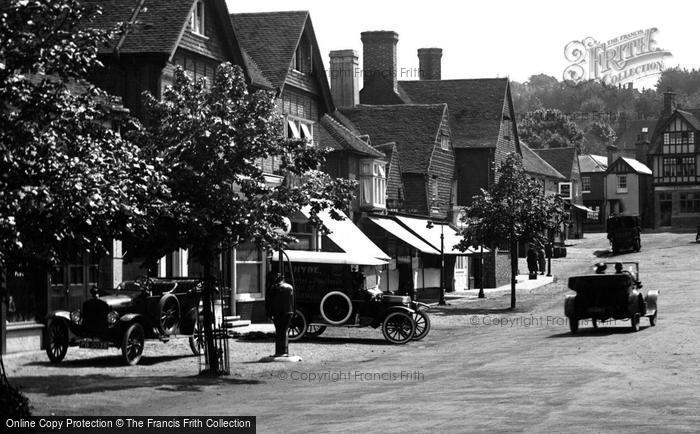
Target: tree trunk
x: 513, y: 270
x: 207, y: 296
x: 3, y: 313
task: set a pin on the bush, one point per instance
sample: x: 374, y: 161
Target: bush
x: 13, y: 403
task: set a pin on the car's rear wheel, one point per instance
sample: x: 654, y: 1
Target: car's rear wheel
x: 595, y: 323
x: 398, y: 327
x: 297, y: 326
x: 168, y: 314
x: 637, y: 245
x: 573, y: 324
x: 132, y: 344
x: 635, y: 322
x: 314, y: 330
x: 57, y: 337
x: 422, y: 321
x: 197, y: 340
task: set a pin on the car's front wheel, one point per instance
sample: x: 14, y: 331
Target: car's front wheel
x: 652, y: 318
x: 57, y: 337
x: 197, y: 340
x: 398, y: 328
x: 168, y: 314
x: 635, y: 322
x: 573, y: 324
x: 132, y: 344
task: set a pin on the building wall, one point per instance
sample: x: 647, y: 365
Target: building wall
x: 473, y: 173
x: 442, y: 171
x: 678, y: 219
x: 630, y: 200
x: 415, y: 201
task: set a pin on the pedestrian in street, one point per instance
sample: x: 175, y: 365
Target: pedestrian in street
x: 542, y: 262
x: 532, y: 261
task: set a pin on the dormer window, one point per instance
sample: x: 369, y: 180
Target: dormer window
x: 302, y: 57
x: 197, y: 19
x: 372, y: 184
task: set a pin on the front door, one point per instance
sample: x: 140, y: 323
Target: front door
x: 461, y: 273
x: 70, y: 283
x: 665, y: 208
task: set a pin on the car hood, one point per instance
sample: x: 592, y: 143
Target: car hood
x: 116, y: 300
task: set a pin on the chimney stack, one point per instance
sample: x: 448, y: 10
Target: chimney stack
x: 669, y: 102
x: 345, y: 80
x: 379, y: 56
x: 430, y: 63
x: 613, y: 152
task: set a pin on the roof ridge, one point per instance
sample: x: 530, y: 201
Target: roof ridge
x: 442, y: 80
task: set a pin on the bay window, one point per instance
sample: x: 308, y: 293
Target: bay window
x: 373, y: 184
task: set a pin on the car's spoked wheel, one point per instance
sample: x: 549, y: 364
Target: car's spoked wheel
x: 297, y: 326
x: 132, y: 344
x: 197, y: 340
x: 398, y: 328
x: 635, y: 322
x: 573, y: 324
x: 422, y: 321
x: 168, y: 314
x: 57, y: 344
x: 314, y: 330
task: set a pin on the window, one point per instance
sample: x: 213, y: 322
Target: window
x: 444, y: 142
x: 434, y: 188
x: 586, y: 184
x: 302, y: 57
x: 679, y: 167
x: 565, y: 190
x: 373, y: 184
x: 679, y: 142
x: 690, y: 202
x: 300, y: 129
x: 622, y: 183
x: 249, y: 269
x: 197, y: 19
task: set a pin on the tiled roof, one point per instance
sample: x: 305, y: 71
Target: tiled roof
x: 270, y: 38
x: 637, y: 166
x: 562, y: 159
x: 627, y: 139
x: 589, y: 163
x: 692, y: 116
x: 157, y: 24
x: 413, y: 127
x: 533, y: 163
x: 475, y: 105
x: 338, y: 137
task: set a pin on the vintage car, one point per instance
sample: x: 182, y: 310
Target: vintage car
x: 613, y: 291
x: 146, y: 308
x: 624, y: 232
x: 334, y: 295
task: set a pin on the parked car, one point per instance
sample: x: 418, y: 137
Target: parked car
x: 612, y: 292
x: 624, y: 232
x: 332, y: 295
x: 146, y: 308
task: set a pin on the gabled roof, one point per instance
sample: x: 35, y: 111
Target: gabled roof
x: 338, y: 137
x: 562, y: 159
x: 589, y: 163
x: 533, y: 163
x: 628, y: 138
x: 475, y: 105
x: 413, y: 127
x: 631, y: 164
x: 692, y: 116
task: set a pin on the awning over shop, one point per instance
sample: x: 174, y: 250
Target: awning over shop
x: 351, y: 239
x: 590, y: 213
x: 330, y: 257
x: 432, y: 235
x: 404, y: 235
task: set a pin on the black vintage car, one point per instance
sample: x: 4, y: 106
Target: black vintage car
x: 146, y: 308
x: 624, y: 232
x: 613, y: 291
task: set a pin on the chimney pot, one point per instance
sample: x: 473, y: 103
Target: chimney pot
x: 430, y: 63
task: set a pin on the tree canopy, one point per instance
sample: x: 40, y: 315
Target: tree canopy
x: 547, y: 128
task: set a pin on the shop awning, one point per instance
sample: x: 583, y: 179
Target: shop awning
x: 590, y: 213
x: 351, y: 240
x: 330, y: 257
x: 432, y: 235
x: 403, y: 234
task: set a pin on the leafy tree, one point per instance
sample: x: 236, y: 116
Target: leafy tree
x: 210, y: 142
x: 598, y: 136
x: 68, y: 182
x: 549, y: 129
x: 515, y: 208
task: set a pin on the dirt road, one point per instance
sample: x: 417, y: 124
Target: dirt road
x: 482, y: 367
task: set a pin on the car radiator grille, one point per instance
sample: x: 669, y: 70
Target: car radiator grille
x: 95, y: 315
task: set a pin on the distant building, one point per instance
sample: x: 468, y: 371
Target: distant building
x: 593, y: 169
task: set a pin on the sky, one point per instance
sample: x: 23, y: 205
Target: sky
x: 496, y: 38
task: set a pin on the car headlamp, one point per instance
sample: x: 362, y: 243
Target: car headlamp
x: 112, y: 318
x: 76, y: 317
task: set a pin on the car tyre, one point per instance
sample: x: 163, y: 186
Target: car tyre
x: 57, y: 340
x: 652, y: 318
x: 297, y: 326
x: 132, y: 344
x: 573, y: 324
x: 197, y: 340
x: 314, y: 330
x: 635, y: 322
x: 422, y: 321
x: 594, y: 322
x: 398, y: 328
x: 336, y: 308
x: 637, y: 245
x: 168, y: 314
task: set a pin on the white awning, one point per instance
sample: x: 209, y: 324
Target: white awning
x: 590, y: 213
x: 329, y: 257
x: 351, y: 239
x: 432, y: 236
x: 404, y: 235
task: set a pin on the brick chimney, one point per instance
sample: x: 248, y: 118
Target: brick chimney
x: 669, y: 102
x: 613, y: 153
x: 379, y: 55
x: 345, y: 78
x: 430, y: 63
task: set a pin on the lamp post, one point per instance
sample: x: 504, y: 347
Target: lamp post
x: 549, y: 258
x: 430, y: 225
x: 481, y: 270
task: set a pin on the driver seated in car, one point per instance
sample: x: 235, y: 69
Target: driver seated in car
x: 619, y: 270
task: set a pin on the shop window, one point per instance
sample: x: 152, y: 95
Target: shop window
x: 690, y: 202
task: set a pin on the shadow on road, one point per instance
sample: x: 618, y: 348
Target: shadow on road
x: 598, y: 332
x: 107, y: 362
x: 60, y: 385
x: 603, y: 253
x: 449, y: 311
x: 348, y: 340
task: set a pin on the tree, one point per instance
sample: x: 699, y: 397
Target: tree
x: 598, y: 136
x: 210, y: 142
x: 515, y: 208
x: 549, y: 129
x: 68, y: 181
